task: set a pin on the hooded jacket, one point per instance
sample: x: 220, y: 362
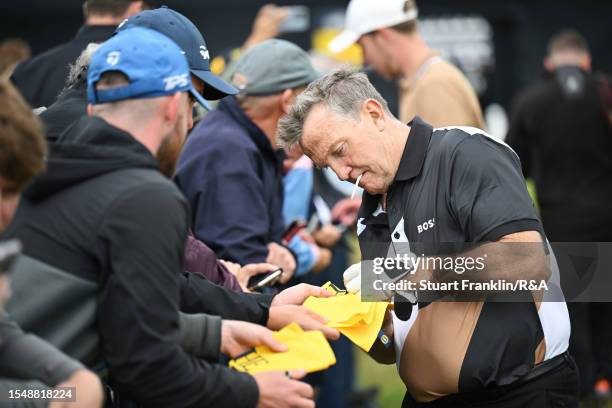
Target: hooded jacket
x: 103, y: 212
x: 71, y: 105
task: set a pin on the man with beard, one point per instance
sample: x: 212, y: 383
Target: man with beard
x: 104, y: 213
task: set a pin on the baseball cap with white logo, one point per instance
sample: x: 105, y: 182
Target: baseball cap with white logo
x: 365, y: 16
x: 153, y: 64
x: 184, y: 33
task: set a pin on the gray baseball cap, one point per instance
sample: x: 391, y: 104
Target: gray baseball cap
x: 271, y: 67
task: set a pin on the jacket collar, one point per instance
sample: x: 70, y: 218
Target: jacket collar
x: 230, y: 106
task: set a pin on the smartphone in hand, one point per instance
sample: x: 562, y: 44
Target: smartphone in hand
x: 265, y: 279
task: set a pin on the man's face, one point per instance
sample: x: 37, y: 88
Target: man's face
x: 9, y: 201
x: 376, y: 56
x: 170, y: 148
x: 349, y: 146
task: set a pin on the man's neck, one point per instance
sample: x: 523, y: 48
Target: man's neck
x: 410, y: 62
x: 97, y: 20
x: 144, y: 132
x: 268, y: 125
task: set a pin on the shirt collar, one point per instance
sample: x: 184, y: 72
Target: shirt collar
x: 415, y: 150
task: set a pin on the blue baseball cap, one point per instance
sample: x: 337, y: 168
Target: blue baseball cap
x: 187, y: 36
x: 153, y: 63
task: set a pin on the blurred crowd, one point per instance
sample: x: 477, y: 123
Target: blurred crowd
x: 153, y: 226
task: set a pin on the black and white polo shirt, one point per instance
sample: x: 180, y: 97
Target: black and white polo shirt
x: 459, y: 185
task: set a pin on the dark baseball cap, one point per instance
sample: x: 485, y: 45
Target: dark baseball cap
x: 189, y: 39
x: 154, y: 64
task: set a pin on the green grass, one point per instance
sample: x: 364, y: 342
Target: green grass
x: 384, y: 377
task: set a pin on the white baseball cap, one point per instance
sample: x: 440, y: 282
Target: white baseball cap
x: 365, y: 16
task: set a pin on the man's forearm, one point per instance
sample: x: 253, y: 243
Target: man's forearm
x: 25, y: 356
x: 198, y: 295
x: 495, y: 260
x: 200, y: 335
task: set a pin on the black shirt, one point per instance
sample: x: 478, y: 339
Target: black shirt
x: 41, y: 78
x: 459, y: 185
x: 560, y: 131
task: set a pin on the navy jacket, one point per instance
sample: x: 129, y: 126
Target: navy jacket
x: 232, y: 178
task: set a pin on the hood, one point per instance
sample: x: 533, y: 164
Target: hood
x: 90, y: 147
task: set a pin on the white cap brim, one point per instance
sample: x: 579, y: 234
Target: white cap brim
x: 343, y: 40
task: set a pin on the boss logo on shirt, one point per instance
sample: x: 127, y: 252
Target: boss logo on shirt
x: 429, y: 224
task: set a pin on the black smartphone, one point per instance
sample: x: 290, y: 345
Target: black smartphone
x: 9, y: 251
x: 265, y: 279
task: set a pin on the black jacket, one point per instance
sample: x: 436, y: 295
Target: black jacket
x: 70, y: 105
x: 102, y: 211
x: 40, y: 79
x: 561, y: 133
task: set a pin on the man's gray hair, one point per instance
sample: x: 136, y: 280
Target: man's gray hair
x: 79, y: 67
x: 342, y: 91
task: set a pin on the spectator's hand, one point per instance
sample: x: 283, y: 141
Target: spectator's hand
x: 324, y: 258
x: 352, y: 282
x: 238, y: 337
x: 244, y: 273
x: 345, y: 211
x: 280, y: 316
x: 266, y: 25
x: 279, y: 255
x: 233, y: 267
x: 277, y: 390
x: 352, y: 279
x: 88, y: 390
x: 296, y: 295
x: 327, y: 235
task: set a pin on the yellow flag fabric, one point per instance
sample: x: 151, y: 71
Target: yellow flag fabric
x: 359, y: 321
x: 307, y: 350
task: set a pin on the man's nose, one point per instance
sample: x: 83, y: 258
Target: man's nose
x: 343, y: 172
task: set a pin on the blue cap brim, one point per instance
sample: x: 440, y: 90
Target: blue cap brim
x: 216, y: 88
x: 196, y: 95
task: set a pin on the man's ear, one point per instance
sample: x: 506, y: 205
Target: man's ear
x: 372, y: 110
x: 548, y: 64
x: 286, y: 100
x: 89, y: 109
x: 586, y: 62
x: 170, y: 108
x: 85, y: 10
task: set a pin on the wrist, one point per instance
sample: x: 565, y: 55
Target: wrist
x: 225, y: 336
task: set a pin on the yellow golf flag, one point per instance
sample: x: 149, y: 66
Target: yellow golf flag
x: 359, y: 321
x: 307, y: 350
